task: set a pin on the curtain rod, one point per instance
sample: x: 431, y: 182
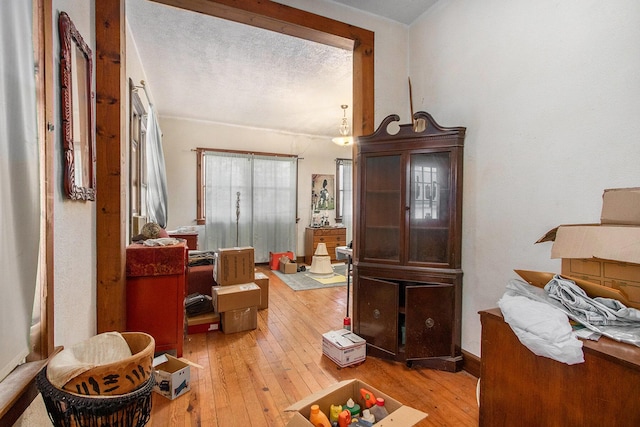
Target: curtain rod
x: 143, y: 86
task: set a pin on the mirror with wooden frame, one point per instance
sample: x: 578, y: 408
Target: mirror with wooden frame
x: 76, y: 82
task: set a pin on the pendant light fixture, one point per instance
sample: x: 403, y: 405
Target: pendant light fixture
x: 344, y: 139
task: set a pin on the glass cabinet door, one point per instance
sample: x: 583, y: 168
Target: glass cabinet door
x: 383, y: 212
x: 429, y: 211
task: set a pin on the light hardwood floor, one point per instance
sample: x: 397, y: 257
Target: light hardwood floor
x: 249, y: 378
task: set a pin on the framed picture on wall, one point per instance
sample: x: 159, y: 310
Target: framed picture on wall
x: 322, y: 192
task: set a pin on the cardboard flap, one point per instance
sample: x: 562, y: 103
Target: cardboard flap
x: 618, y: 243
x: 298, y: 421
x: 402, y: 417
x: 540, y: 279
x: 299, y: 405
x: 550, y: 236
x: 159, y: 360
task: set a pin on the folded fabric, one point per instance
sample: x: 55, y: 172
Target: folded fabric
x: 596, y: 311
x: 162, y: 241
x: 543, y: 329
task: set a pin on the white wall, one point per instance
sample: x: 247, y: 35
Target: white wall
x: 74, y: 221
x: 75, y: 227
x: 550, y: 94
x: 181, y: 137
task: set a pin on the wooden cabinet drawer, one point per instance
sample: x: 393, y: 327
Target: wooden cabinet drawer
x: 584, y: 266
x: 621, y: 271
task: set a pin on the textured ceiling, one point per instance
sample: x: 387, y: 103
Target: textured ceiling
x: 205, y: 68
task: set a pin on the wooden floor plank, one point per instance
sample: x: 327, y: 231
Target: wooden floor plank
x: 250, y: 378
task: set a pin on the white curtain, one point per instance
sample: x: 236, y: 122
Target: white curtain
x: 156, y: 172
x: 346, y: 204
x: 274, y: 200
x: 250, y: 201
x: 19, y: 182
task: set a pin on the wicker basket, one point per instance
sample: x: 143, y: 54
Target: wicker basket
x: 71, y: 410
x: 121, y: 377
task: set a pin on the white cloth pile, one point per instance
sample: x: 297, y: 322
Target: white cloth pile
x: 543, y: 329
x: 533, y: 313
x: 596, y: 311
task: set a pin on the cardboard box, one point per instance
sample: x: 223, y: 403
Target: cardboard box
x: 234, y: 266
x: 243, y: 319
x: 262, y: 280
x: 344, y: 347
x: 274, y: 259
x: 234, y: 297
x: 606, y: 255
x: 621, y: 206
x: 288, y: 267
x: 399, y: 414
x: 612, y: 242
x: 173, y: 376
x: 202, y: 323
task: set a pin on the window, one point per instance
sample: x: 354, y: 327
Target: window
x: 137, y: 155
x: 344, y: 196
x: 248, y: 199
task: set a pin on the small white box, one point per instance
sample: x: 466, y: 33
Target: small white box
x: 173, y: 376
x: 344, y: 347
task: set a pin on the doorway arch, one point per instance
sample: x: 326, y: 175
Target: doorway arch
x: 111, y: 212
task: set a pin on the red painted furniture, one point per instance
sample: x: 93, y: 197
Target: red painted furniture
x: 155, y: 293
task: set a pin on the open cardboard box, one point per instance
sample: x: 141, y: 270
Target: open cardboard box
x: 613, y: 242
x: 604, y: 257
x: 173, y: 376
x: 399, y: 414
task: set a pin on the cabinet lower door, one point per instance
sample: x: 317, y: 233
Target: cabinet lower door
x: 429, y: 320
x: 378, y: 313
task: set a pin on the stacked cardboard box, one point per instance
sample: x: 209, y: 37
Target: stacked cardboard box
x: 201, y: 323
x: 234, y: 266
x: 262, y: 280
x: 235, y: 299
x: 606, y: 254
x: 237, y: 305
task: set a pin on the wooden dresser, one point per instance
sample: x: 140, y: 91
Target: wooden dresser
x: 518, y: 388
x: 330, y: 236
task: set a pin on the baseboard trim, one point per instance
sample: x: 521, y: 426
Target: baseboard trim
x: 471, y: 363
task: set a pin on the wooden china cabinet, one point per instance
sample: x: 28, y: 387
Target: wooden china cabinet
x: 407, y: 263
